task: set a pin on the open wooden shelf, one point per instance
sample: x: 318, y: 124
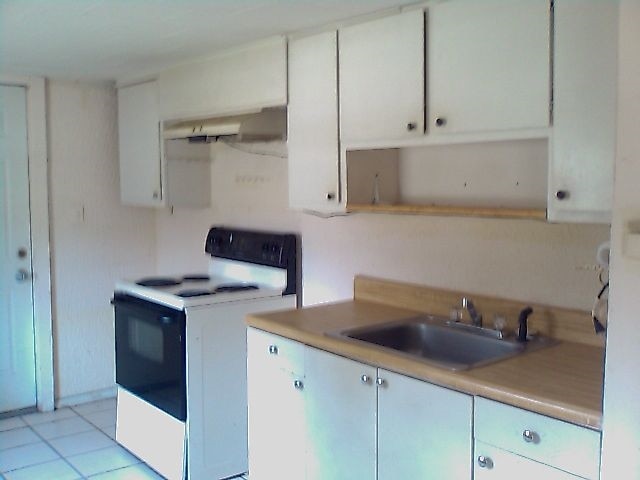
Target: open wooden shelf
x: 452, y: 211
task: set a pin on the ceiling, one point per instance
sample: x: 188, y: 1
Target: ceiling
x: 115, y: 39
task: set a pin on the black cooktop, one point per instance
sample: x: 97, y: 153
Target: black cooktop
x: 171, y: 281
x: 158, y: 281
x: 223, y: 288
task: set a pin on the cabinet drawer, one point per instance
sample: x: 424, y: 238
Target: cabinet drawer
x: 285, y: 354
x: 544, y: 439
x: 493, y: 463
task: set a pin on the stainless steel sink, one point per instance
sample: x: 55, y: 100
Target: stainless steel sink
x: 441, y: 343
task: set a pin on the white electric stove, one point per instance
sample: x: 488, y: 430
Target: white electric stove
x: 181, y: 353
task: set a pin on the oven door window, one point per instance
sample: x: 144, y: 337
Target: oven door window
x: 150, y: 353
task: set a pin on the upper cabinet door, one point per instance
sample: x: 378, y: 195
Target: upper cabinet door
x: 314, y: 157
x: 584, y: 112
x: 140, y: 145
x: 382, y: 78
x: 232, y: 82
x: 488, y: 65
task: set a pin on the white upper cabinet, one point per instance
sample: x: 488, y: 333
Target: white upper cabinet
x: 488, y: 65
x: 155, y: 172
x: 584, y: 114
x: 313, y: 148
x: 382, y: 78
x: 237, y: 81
x: 139, y: 136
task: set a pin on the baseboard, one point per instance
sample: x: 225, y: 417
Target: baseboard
x: 86, y: 397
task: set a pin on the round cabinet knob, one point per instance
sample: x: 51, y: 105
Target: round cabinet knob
x: 155, y: 195
x: 530, y: 437
x: 22, y: 275
x: 331, y: 196
x: 380, y: 382
x: 485, y: 462
x: 298, y: 385
x: 411, y: 126
x: 562, y: 194
x: 440, y: 121
x: 365, y: 378
x: 273, y: 349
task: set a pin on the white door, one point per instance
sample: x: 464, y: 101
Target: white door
x: 17, y: 355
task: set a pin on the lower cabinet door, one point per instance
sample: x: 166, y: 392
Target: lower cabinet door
x: 424, y: 431
x: 276, y: 416
x: 340, y: 407
x: 493, y: 463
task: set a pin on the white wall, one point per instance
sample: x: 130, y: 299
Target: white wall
x: 621, y: 425
x: 527, y: 260
x: 94, y: 239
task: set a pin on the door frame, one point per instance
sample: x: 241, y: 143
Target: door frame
x: 39, y: 218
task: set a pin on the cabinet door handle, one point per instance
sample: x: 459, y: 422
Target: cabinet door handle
x: 365, y: 379
x: 530, y: 436
x: 485, y: 462
x: 562, y: 194
x: 155, y: 195
x: 273, y: 349
x: 298, y: 385
x: 411, y: 126
x: 440, y: 121
x: 330, y: 196
x: 380, y: 382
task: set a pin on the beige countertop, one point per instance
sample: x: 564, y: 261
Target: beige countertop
x: 563, y: 381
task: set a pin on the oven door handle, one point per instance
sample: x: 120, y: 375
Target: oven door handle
x: 166, y: 320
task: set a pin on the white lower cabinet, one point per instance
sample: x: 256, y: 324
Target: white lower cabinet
x: 424, y: 431
x: 277, y: 430
x: 317, y: 415
x: 340, y: 413
x: 516, y: 443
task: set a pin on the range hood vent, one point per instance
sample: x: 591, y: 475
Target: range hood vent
x: 260, y: 126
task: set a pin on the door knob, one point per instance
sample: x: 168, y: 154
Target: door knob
x: 22, y: 275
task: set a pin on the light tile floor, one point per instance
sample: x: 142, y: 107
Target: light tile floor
x: 68, y: 444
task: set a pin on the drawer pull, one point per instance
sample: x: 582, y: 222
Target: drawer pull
x: 273, y: 349
x: 298, y: 385
x: 530, y: 437
x: 485, y: 462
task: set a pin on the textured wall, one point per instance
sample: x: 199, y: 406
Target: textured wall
x: 621, y: 443
x: 94, y: 239
x: 512, y: 258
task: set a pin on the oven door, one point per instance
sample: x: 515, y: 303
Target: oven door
x: 150, y: 353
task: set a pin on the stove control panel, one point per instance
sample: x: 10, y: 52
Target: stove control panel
x: 263, y: 248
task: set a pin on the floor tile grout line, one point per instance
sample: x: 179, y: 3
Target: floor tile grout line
x: 62, y: 457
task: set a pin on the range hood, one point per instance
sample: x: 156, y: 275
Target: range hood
x: 260, y: 126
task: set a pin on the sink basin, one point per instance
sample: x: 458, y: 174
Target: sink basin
x: 441, y: 343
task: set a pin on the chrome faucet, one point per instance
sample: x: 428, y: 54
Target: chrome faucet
x: 476, y: 318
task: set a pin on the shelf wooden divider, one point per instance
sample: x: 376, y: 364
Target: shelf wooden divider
x: 449, y: 210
